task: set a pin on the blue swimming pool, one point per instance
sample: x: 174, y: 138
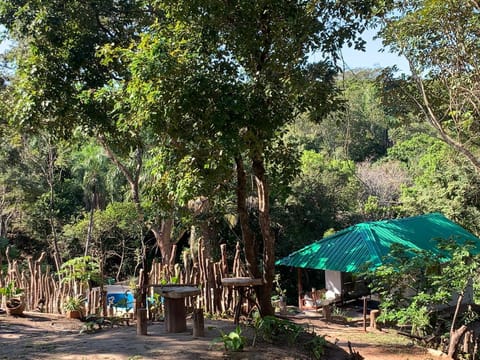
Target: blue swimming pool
x: 120, y: 297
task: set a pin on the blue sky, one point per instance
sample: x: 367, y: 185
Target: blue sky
x: 373, y: 57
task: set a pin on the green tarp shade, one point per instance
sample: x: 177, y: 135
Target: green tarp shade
x: 351, y: 249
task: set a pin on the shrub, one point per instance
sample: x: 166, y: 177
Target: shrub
x: 233, y: 341
x: 271, y: 327
x: 317, y: 347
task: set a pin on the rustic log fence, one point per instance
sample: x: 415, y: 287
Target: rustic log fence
x: 215, y: 299
x: 42, y: 289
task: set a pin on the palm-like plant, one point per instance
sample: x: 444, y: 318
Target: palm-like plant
x: 91, y: 165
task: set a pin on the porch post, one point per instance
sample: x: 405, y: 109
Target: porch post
x: 299, y: 285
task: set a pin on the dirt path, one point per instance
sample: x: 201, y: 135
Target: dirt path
x: 49, y: 336
x: 372, y: 344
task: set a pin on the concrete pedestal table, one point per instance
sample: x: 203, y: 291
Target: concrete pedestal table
x: 175, y: 310
x: 241, y: 284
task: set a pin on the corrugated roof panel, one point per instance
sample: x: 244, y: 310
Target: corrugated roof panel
x: 351, y: 249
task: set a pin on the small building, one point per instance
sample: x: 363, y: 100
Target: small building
x: 357, y: 247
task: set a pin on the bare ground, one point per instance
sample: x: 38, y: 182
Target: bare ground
x: 50, y: 336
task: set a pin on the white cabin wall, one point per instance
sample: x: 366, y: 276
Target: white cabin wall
x: 333, y: 282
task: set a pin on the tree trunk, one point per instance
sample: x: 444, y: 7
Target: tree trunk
x: 455, y: 314
x: 264, y: 292
x: 56, y: 251
x: 200, y: 208
x: 51, y: 180
x: 163, y: 237
x: 122, y: 260
x: 162, y: 233
x: 267, y: 273
x: 207, y: 235
x: 248, y: 236
x: 90, y: 226
x: 455, y: 335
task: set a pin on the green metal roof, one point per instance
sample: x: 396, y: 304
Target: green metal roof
x: 349, y: 250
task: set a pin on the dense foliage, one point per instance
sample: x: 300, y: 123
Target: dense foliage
x: 424, y: 291
x: 128, y: 125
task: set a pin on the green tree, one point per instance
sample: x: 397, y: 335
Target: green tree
x: 12, y: 193
x: 114, y: 238
x: 220, y: 79
x: 81, y: 272
x: 358, y: 131
x: 323, y: 196
x: 38, y: 195
x: 61, y: 83
x: 440, y: 40
x: 235, y: 75
x: 65, y: 81
x: 47, y: 159
x: 90, y: 164
x: 440, y: 181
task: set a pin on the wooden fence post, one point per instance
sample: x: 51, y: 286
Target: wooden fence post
x: 198, y: 323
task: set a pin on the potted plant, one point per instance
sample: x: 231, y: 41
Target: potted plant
x: 74, y: 306
x: 15, y: 304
